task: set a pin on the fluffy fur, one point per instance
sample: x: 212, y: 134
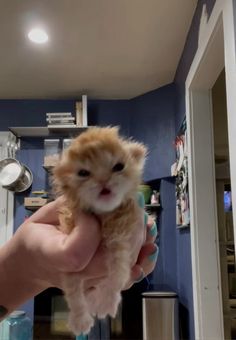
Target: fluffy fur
x: 100, y: 173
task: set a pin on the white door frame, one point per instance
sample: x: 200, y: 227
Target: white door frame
x: 7, y: 149
x: 216, y: 50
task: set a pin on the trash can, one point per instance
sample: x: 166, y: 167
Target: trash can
x: 160, y: 316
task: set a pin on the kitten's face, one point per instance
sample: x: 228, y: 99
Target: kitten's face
x: 100, y: 169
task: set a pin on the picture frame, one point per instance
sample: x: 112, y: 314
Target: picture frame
x: 180, y: 171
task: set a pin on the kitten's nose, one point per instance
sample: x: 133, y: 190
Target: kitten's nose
x: 103, y: 182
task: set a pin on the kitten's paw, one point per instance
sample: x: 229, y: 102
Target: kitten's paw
x: 102, y: 314
x: 109, y: 307
x: 78, y: 324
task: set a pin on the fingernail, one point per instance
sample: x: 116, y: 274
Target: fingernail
x: 145, y: 219
x: 140, y: 278
x: 140, y: 199
x: 153, y: 230
x: 153, y: 256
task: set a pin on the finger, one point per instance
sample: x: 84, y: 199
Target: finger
x: 148, y: 257
x: 66, y: 252
x: 137, y: 275
x: 145, y: 264
x: 141, y: 203
x: 48, y: 214
x: 147, y: 250
x: 140, y: 199
x: 151, y: 231
x: 98, y: 266
x: 82, y: 243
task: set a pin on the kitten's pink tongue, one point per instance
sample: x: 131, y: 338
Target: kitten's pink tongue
x: 105, y: 191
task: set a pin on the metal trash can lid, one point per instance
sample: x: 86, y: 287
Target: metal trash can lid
x: 154, y: 294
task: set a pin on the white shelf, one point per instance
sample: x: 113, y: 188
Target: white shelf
x: 48, y: 168
x: 152, y: 206
x: 227, y: 243
x: 33, y: 207
x: 44, y: 131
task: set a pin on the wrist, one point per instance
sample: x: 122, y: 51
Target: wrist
x: 17, y: 284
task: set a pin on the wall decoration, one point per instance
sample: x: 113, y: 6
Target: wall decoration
x: 180, y: 170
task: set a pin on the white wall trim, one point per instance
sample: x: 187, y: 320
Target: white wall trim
x: 216, y: 50
x: 230, y: 77
x: 7, y: 147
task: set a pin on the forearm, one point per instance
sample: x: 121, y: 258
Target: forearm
x: 16, y: 282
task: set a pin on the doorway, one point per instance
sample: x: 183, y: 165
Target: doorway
x: 216, y: 51
x: 224, y: 206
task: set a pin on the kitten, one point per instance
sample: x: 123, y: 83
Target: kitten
x: 100, y: 173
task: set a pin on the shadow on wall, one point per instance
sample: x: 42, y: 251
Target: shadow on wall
x: 183, y: 322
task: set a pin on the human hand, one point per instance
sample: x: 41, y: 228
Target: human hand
x: 148, y: 253
x: 39, y: 254
x: 53, y: 253
x: 50, y: 253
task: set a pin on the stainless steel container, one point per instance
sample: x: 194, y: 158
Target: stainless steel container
x: 15, y: 176
x: 160, y: 316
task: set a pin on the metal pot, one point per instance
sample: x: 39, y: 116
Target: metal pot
x: 15, y: 176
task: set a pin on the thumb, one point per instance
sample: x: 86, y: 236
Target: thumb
x: 48, y: 214
x: 81, y: 244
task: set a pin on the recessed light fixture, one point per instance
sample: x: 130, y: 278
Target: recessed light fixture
x: 38, y: 36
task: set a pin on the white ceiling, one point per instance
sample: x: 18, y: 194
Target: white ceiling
x: 104, y: 48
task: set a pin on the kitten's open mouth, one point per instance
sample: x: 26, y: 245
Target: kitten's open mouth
x: 105, y: 192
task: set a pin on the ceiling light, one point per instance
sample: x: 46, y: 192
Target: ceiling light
x: 38, y: 36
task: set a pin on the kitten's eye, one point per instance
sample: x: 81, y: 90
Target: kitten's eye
x: 118, y: 167
x: 83, y: 173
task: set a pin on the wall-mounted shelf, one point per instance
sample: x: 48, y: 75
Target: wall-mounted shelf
x: 32, y: 208
x: 34, y: 203
x: 45, y: 131
x: 152, y: 206
x: 48, y: 168
x: 227, y: 243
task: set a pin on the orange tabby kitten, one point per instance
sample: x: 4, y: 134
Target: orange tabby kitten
x: 100, y: 173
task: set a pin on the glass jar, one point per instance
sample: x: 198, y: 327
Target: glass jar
x: 51, y: 151
x: 20, y: 326
x: 66, y: 143
x: 82, y: 337
x: 146, y: 190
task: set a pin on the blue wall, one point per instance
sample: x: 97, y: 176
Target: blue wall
x: 30, y: 112
x: 110, y: 112
x: 152, y: 121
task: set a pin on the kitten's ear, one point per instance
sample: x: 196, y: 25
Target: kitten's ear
x: 138, y: 151
x: 114, y: 130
